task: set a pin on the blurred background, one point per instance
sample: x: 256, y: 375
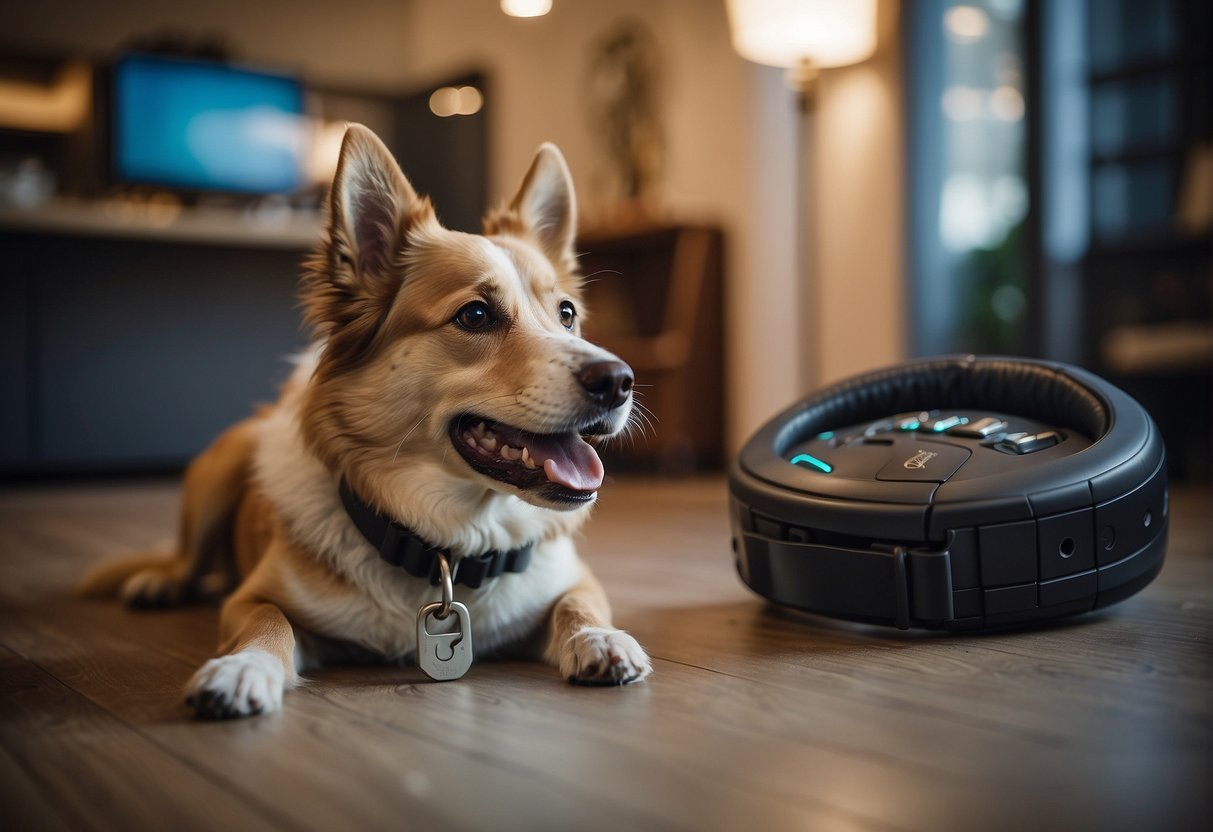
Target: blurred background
x: 1029, y: 177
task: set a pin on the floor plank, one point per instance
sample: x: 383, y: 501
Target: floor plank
x: 753, y: 719
x: 89, y: 770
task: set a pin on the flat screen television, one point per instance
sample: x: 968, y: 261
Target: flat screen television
x: 206, y: 126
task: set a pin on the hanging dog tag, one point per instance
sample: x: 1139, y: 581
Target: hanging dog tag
x: 444, y: 656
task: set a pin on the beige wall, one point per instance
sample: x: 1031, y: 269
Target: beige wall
x: 730, y: 129
x: 860, y: 185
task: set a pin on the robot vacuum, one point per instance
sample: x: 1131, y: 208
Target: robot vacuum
x: 955, y: 493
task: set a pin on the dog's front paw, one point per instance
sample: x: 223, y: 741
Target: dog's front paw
x: 599, y: 656
x: 242, y: 684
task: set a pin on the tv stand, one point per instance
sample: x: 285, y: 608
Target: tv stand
x: 117, y: 218
x: 129, y: 342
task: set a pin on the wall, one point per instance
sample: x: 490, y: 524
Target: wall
x: 351, y: 41
x: 730, y: 130
x: 860, y: 182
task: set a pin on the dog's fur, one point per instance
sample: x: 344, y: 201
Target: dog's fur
x: 376, y: 401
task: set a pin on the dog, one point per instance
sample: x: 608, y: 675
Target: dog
x: 446, y: 402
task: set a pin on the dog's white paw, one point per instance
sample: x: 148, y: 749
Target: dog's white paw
x: 241, y: 684
x: 599, y: 656
x: 152, y: 587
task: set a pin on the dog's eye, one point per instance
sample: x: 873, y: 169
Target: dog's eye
x: 475, y: 315
x: 567, y: 314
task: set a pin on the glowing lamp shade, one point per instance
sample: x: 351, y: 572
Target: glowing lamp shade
x: 786, y: 32
x: 526, y: 8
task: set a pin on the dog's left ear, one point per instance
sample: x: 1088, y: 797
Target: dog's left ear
x: 546, y: 205
x: 370, y: 199
x: 350, y: 283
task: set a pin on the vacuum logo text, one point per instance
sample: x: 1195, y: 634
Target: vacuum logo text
x: 919, y: 460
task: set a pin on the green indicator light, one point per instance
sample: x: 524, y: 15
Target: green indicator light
x: 823, y: 467
x: 829, y: 434
x: 911, y: 425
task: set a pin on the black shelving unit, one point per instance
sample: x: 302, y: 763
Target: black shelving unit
x: 1150, y: 93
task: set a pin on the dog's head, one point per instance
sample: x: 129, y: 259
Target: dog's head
x: 451, y: 355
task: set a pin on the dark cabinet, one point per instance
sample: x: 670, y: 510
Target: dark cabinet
x: 655, y: 296
x: 125, y: 354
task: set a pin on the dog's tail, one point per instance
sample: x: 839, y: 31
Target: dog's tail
x: 201, y: 563
x: 109, y: 579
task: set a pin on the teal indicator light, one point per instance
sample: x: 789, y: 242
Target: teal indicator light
x: 947, y: 424
x: 914, y: 425
x: 829, y: 434
x: 820, y: 465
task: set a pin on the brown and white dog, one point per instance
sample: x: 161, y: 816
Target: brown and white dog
x: 451, y: 389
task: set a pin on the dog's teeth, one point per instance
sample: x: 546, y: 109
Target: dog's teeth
x: 489, y: 443
x: 527, y: 461
x: 471, y: 440
x: 480, y: 429
x: 512, y: 454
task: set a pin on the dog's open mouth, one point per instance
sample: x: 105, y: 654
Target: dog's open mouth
x: 564, y: 465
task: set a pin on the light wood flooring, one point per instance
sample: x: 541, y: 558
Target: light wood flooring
x: 753, y: 720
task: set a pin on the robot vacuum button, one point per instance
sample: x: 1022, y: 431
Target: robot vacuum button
x: 941, y: 424
x: 911, y: 421
x: 1026, y: 443
x: 980, y: 429
x: 883, y: 426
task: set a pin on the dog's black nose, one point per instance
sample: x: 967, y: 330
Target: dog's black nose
x: 607, y: 383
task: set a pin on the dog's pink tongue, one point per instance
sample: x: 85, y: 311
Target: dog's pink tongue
x: 568, y: 460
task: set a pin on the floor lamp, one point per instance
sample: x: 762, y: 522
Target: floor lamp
x: 804, y: 37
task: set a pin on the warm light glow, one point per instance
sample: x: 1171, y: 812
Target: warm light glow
x: 470, y: 101
x: 321, y: 160
x: 526, y: 8
x: 966, y: 24
x: 158, y: 208
x: 1006, y: 103
x: 456, y: 101
x: 444, y: 102
x: 786, y: 32
x: 58, y: 108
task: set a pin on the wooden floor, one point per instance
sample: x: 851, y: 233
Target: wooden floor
x: 751, y: 721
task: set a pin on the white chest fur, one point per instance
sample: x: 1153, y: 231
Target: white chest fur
x: 378, y: 603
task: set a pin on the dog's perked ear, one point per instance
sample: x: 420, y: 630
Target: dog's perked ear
x: 546, y: 206
x: 351, y: 282
x: 369, y: 198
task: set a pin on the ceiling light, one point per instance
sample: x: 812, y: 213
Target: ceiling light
x: 456, y: 101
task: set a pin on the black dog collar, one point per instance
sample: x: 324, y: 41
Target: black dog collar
x: 402, y: 547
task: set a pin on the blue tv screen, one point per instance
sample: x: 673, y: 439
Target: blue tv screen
x: 201, y: 125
